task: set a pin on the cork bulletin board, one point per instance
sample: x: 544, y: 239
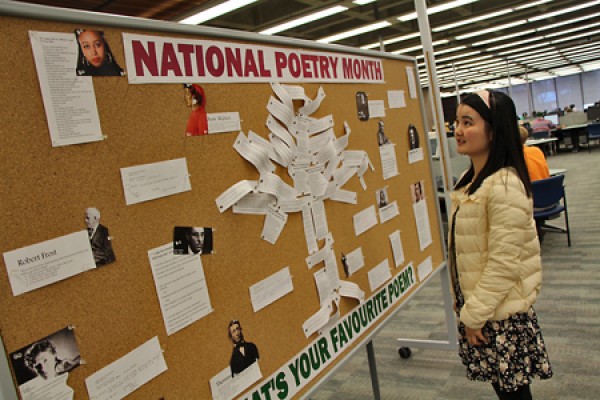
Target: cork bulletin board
x: 115, y: 309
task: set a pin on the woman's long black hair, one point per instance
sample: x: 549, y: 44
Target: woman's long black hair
x: 506, y: 149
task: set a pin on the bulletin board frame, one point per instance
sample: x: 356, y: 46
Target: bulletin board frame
x: 60, y: 20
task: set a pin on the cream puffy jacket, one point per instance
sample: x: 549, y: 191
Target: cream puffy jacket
x: 497, y: 249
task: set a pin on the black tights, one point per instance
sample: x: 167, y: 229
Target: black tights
x: 523, y: 393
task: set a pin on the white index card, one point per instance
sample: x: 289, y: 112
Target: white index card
x: 180, y: 286
x: 152, y: 181
x: 424, y: 269
x: 412, y: 84
x: 234, y: 194
x: 275, y: 221
x: 364, y: 220
x: 396, y: 99
x: 388, y: 212
x: 42, y: 264
x: 317, y: 320
x: 271, y: 289
x: 223, y: 122
x: 397, y: 249
x: 379, y: 274
x: 355, y: 261
x: 130, y: 372
x: 376, y: 109
x: 389, y: 164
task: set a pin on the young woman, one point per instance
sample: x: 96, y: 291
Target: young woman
x: 494, y: 251
x: 95, y: 57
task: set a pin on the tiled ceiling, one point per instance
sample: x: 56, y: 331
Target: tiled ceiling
x: 481, y: 43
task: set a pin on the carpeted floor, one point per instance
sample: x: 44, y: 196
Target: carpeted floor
x: 568, y: 309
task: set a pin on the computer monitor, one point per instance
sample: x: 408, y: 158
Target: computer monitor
x: 553, y: 118
x: 593, y: 113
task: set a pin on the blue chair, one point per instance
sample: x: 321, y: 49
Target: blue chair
x: 593, y: 133
x: 547, y: 196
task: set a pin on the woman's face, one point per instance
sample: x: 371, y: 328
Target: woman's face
x: 472, y: 133
x: 92, y: 45
x: 187, y: 96
x: 45, y: 364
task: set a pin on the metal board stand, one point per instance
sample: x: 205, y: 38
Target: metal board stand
x: 452, y: 342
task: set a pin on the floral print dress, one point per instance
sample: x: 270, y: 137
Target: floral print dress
x: 515, y: 351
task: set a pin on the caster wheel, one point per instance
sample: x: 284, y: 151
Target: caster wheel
x: 404, y: 352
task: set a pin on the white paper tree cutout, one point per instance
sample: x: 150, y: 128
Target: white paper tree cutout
x: 319, y: 165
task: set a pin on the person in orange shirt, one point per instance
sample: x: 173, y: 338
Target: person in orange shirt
x: 534, y: 158
x: 537, y: 168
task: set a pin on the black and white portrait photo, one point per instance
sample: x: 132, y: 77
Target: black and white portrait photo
x: 195, y: 240
x: 244, y: 353
x: 381, y: 197
x: 99, y: 238
x: 413, y: 138
x: 46, y: 358
x: 381, y: 138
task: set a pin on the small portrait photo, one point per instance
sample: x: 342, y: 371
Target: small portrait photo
x: 95, y: 57
x: 187, y: 239
x: 362, y: 106
x: 99, y: 238
x: 47, y: 358
x: 417, y: 191
x: 244, y: 353
x: 195, y: 99
x: 381, y: 197
x: 413, y: 138
x: 381, y: 138
x: 344, y: 261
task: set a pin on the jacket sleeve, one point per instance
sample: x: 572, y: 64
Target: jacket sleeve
x: 509, y: 215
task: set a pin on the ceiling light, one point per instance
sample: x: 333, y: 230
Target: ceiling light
x: 471, y: 53
x: 535, y: 3
x: 564, y: 11
x: 579, y: 28
x: 566, y: 71
x: 549, y: 54
x: 573, y: 37
x: 567, y: 22
x: 467, y: 60
x: 393, y: 40
x: 546, y: 61
x: 447, y: 94
x: 581, y: 46
x: 487, y: 62
x: 533, y: 46
x: 503, y: 37
x: 409, y: 49
x: 355, y: 32
x: 304, y: 20
x: 512, y: 44
x: 449, y: 50
x: 585, y: 57
x: 540, y: 76
x: 529, y: 53
x: 444, y: 51
x: 494, y: 29
x: 437, y: 9
x: 591, y: 66
x: 472, y: 20
x: 215, y: 11
x: 362, y: 2
x: 580, y: 51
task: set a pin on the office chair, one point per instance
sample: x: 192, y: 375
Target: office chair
x: 593, y: 133
x: 547, y: 196
x: 540, y: 135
